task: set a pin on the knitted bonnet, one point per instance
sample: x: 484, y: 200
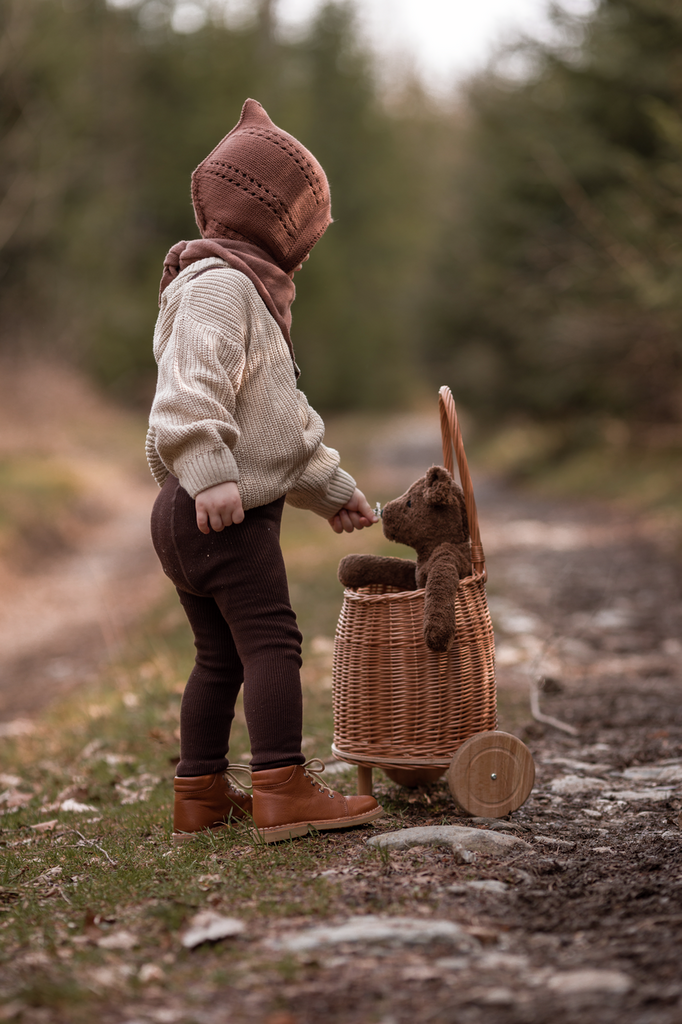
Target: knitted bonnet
x: 261, y: 184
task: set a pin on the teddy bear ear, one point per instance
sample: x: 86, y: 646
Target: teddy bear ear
x: 440, y: 488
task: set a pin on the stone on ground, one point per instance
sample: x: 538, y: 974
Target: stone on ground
x: 589, y: 980
x: 210, y: 927
x: 486, y: 885
x: 567, y: 785
x: 459, y: 838
x: 376, y: 931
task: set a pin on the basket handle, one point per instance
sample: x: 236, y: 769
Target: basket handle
x: 452, y: 438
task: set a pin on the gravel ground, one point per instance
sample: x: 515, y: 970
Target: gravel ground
x: 584, y: 923
x: 579, y: 922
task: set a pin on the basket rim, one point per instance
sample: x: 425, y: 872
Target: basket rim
x: 408, y: 595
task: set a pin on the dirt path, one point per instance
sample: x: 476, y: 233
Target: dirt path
x: 58, y: 624
x: 64, y: 611
x: 584, y: 923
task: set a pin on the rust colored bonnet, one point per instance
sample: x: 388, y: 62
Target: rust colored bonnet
x: 261, y: 184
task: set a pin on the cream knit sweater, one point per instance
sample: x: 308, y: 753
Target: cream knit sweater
x: 226, y: 404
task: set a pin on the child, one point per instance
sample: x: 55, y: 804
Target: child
x: 230, y: 439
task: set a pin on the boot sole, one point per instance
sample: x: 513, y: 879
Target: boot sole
x: 301, y: 828
x: 177, y: 838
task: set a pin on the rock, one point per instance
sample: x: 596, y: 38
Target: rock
x: 420, y: 972
x: 654, y: 773
x: 498, y: 996
x: 118, y: 940
x: 568, y: 983
x: 634, y: 796
x: 461, y: 840
x: 109, y: 977
x: 375, y: 930
x: 210, y: 927
x: 502, y: 962
x: 556, y: 844
x: 587, y: 767
x: 567, y: 785
x: 487, y: 885
x: 451, y: 963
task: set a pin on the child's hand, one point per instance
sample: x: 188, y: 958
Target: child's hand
x: 220, y: 506
x: 355, y: 515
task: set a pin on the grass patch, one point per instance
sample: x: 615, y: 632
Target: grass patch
x: 93, y: 900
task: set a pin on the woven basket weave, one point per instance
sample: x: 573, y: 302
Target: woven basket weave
x: 397, y: 703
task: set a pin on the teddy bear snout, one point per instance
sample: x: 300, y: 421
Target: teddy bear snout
x: 388, y: 519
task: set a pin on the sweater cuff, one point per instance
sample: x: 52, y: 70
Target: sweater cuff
x: 339, y: 491
x: 199, y: 472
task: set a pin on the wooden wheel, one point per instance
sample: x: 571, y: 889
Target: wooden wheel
x: 491, y: 774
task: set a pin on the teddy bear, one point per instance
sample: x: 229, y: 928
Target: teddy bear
x: 431, y: 518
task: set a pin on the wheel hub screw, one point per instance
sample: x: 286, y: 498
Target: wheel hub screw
x: 493, y: 775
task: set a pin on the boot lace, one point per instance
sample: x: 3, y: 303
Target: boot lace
x: 313, y: 770
x: 233, y: 772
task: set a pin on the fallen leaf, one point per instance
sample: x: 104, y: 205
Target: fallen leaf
x: 208, y: 926
x: 10, y: 780
x: 14, y: 798
x: 46, y: 826
x: 77, y: 808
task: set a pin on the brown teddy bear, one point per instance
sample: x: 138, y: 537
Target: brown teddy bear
x: 431, y: 518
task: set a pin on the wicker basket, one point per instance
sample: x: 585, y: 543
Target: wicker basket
x: 397, y: 704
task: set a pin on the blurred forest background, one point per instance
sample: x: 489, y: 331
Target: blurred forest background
x: 520, y: 241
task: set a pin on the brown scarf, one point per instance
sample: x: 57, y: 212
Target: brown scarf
x: 274, y: 286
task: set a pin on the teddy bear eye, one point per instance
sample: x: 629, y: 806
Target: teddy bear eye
x: 409, y: 503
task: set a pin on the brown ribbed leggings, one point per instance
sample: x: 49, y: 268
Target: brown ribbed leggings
x: 233, y: 587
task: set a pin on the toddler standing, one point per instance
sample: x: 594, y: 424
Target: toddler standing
x: 230, y: 439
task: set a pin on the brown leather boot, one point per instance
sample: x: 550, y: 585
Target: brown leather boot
x: 207, y: 801
x: 287, y: 801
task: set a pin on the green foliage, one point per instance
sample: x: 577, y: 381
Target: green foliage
x: 559, y: 274
x: 106, y: 111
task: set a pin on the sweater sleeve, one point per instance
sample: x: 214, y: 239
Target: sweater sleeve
x: 200, y: 368
x: 323, y: 487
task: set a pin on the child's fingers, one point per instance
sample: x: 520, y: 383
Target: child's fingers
x: 365, y: 510
x: 346, y: 521
x: 202, y: 520
x: 360, y: 521
x: 349, y: 520
x: 217, y: 520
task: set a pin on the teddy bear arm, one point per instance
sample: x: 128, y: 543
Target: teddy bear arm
x: 364, y: 570
x: 439, y: 600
